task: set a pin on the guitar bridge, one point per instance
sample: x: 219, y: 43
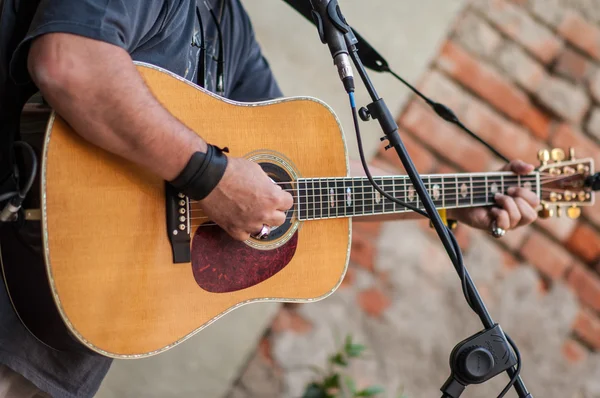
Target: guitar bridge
x: 178, y: 224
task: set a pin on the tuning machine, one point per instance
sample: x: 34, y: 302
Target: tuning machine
x: 544, y: 156
x: 546, y: 211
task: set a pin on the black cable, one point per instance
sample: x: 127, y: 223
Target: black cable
x: 456, y: 247
x: 8, y: 195
x: 34, y: 166
x: 201, y: 51
x: 447, y: 114
x: 220, y: 89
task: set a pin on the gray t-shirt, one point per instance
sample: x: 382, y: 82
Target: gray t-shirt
x: 160, y: 32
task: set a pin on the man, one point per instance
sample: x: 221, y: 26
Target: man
x: 79, y: 54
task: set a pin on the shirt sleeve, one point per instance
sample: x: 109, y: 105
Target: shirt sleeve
x: 256, y: 81
x: 124, y: 23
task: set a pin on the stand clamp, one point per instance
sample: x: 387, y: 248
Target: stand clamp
x: 478, y: 359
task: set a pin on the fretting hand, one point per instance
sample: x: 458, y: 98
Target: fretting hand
x: 246, y: 199
x: 514, y: 210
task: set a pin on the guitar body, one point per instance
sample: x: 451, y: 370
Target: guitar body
x: 106, y: 271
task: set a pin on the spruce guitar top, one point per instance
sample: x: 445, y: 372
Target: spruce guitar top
x: 129, y: 268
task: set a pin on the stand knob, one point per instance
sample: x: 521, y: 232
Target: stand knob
x: 476, y: 363
x: 364, y: 114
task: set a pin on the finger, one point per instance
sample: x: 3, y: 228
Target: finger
x: 519, y: 167
x: 530, y: 197
x: 528, y: 214
x: 502, y: 218
x: 276, y: 219
x: 508, y: 204
x: 286, y: 201
x: 239, y: 234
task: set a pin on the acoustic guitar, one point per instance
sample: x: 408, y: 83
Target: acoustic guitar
x: 126, y: 267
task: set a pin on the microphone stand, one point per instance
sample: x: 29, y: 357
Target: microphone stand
x: 476, y: 359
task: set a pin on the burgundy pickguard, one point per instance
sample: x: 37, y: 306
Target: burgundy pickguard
x: 221, y: 264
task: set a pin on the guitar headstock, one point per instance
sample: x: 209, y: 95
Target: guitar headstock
x: 562, y: 181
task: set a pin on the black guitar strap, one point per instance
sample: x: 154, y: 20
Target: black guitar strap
x: 13, y: 97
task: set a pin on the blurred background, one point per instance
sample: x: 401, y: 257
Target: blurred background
x: 525, y: 74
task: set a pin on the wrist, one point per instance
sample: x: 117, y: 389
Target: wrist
x: 202, y: 173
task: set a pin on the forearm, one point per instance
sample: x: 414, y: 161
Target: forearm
x: 96, y: 88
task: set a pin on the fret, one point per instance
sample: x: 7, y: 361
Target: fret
x: 359, y: 206
x: 471, y: 185
x: 388, y: 187
x: 368, y: 197
x: 340, y: 197
x: 394, y: 194
x: 487, y: 189
x: 302, y: 199
x: 456, y: 187
x: 437, y: 192
x: 377, y: 197
x: 519, y: 180
x: 348, y: 197
x: 324, y: 197
x: 331, y: 202
x: 316, y: 200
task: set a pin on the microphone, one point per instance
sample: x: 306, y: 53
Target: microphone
x: 332, y: 27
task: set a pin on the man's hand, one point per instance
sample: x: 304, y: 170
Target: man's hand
x: 514, y: 210
x: 245, y: 199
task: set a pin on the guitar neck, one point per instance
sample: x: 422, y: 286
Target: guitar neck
x: 322, y: 198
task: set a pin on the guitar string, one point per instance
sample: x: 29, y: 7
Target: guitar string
x: 447, y: 186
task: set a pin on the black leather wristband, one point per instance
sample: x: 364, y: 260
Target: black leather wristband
x: 202, y: 173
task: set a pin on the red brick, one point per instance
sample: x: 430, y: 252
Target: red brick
x: 593, y: 125
x: 567, y: 136
x: 567, y: 100
x: 514, y: 239
x: 592, y: 213
x: 587, y: 327
x: 510, y: 139
x: 368, y: 228
x: 574, y: 66
x: 595, y: 85
x: 440, y: 88
x: 586, y: 284
x: 581, y: 33
x: 550, y: 259
x: 289, y: 320
x: 514, y: 21
x: 447, y: 140
x: 585, y: 242
x: 424, y: 160
x: 477, y: 36
x: 349, y: 278
x: 510, y: 262
x: 363, y: 251
x: 464, y: 235
x: 521, y: 67
x: 561, y: 228
x: 483, y: 80
x: 537, y: 122
x: 373, y: 301
x: 574, y: 352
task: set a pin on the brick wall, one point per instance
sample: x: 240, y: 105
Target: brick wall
x: 525, y: 75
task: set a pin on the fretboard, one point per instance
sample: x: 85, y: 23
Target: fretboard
x: 321, y: 198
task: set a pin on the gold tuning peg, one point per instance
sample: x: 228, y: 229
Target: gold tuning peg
x: 571, y: 153
x: 543, y: 156
x: 557, y: 154
x: 574, y: 212
x: 546, y: 211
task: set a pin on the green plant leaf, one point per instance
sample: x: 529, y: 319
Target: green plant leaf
x: 370, y: 391
x: 332, y: 381
x: 351, y: 384
x: 339, y: 359
x: 314, y: 390
x: 354, y: 350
